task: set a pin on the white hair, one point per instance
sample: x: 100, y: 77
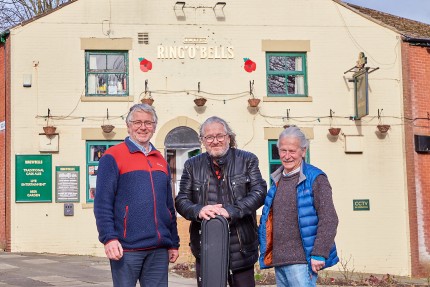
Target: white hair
x: 294, y: 132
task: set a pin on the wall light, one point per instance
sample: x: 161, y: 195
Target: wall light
x: 179, y: 10
x: 219, y: 5
x: 26, y: 80
x: 179, y: 5
x: 219, y: 10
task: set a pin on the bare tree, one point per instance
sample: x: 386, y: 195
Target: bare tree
x: 13, y: 12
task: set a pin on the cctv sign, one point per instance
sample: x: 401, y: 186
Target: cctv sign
x: 360, y: 204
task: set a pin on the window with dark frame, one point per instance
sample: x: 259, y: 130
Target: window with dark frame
x: 286, y: 74
x: 106, y: 73
x: 95, y: 150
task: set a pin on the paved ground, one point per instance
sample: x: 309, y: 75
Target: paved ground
x: 31, y: 269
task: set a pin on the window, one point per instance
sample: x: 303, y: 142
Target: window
x: 274, y: 160
x: 106, y: 73
x: 286, y: 74
x: 95, y: 150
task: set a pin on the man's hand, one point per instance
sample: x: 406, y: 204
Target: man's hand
x: 173, y: 255
x: 113, y: 250
x: 224, y: 213
x: 210, y: 211
x: 317, y: 265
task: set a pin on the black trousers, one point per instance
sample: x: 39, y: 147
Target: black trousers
x: 241, y: 278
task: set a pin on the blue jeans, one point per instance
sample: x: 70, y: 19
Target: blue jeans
x: 295, y: 275
x: 150, y: 267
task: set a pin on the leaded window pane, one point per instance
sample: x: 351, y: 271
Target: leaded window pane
x: 286, y: 74
x: 276, y: 84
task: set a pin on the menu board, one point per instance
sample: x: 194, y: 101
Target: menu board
x: 67, y: 184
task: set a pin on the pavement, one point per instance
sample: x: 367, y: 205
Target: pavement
x: 33, y: 269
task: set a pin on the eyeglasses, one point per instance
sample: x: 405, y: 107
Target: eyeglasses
x: 138, y: 124
x: 210, y: 139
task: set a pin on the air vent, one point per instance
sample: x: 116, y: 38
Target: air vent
x: 143, y: 38
x: 422, y: 144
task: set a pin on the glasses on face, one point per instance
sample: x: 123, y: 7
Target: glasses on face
x: 210, y: 139
x: 138, y: 124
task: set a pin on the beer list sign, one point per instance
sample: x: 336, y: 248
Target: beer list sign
x: 67, y: 184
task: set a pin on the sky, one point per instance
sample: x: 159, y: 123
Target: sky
x: 418, y: 10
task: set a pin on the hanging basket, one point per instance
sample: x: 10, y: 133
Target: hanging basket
x: 334, y: 131
x: 383, y: 128
x: 148, y: 101
x: 107, y: 128
x: 200, y: 102
x: 253, y: 102
x: 49, y: 130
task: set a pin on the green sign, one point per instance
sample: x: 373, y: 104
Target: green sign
x: 67, y: 184
x: 33, y: 181
x: 361, y: 204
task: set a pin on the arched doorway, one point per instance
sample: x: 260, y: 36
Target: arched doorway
x: 180, y: 144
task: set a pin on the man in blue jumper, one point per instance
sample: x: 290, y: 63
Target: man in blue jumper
x: 299, y: 221
x: 134, y: 207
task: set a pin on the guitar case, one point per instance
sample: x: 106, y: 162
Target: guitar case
x: 215, y: 246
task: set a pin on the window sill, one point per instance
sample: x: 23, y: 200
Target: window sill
x: 98, y: 134
x: 87, y: 205
x: 107, y: 99
x: 287, y: 99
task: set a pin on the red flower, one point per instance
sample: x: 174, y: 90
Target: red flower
x: 249, y: 66
x: 145, y: 65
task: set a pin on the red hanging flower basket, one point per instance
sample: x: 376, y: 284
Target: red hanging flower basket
x: 49, y: 130
x: 200, y: 102
x: 383, y: 128
x: 107, y: 128
x: 253, y: 102
x: 334, y: 131
x: 148, y: 101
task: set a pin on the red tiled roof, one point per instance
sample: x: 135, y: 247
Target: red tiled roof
x: 407, y: 27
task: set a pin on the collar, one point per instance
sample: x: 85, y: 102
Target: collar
x: 139, y: 147
x: 276, y: 175
x: 291, y: 172
x: 222, y: 160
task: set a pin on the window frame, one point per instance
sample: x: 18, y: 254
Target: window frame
x: 304, y: 73
x: 88, y: 54
x: 94, y: 163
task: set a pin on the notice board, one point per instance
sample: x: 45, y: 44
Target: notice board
x: 33, y: 178
x: 67, y: 184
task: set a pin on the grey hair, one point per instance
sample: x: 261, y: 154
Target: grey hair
x: 294, y: 132
x: 227, y: 129
x: 142, y: 107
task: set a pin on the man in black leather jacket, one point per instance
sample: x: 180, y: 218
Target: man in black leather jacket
x: 224, y: 181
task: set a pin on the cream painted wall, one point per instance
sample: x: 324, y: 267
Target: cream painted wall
x: 336, y: 36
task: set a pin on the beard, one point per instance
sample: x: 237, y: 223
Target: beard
x: 218, y: 153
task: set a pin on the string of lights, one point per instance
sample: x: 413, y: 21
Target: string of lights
x: 313, y: 120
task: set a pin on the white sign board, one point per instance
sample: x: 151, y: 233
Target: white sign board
x: 2, y: 125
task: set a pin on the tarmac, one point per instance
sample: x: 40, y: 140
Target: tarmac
x: 35, y: 269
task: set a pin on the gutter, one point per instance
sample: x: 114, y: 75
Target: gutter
x: 424, y: 42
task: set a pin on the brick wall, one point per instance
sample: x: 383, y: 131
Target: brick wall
x: 2, y: 149
x: 416, y: 87
x: 185, y: 254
